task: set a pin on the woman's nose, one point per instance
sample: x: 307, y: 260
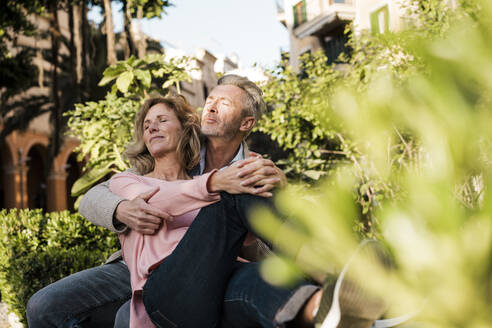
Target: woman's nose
x: 153, y: 126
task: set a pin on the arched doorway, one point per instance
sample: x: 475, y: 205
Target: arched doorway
x: 73, y: 169
x: 6, y: 182
x: 36, y: 177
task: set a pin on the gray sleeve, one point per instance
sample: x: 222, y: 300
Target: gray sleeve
x: 99, y: 205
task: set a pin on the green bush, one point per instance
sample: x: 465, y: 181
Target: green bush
x: 37, y: 249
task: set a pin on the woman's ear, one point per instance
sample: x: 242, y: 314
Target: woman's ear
x: 247, y: 123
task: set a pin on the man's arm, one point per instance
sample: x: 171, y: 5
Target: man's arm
x: 103, y: 208
x: 99, y: 205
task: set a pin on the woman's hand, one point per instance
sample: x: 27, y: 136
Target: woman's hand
x: 138, y: 215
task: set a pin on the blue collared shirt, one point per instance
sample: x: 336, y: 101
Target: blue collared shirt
x: 198, y: 170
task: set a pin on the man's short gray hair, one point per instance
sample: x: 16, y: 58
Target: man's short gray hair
x: 253, y: 102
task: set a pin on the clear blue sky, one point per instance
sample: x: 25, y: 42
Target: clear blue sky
x: 248, y: 28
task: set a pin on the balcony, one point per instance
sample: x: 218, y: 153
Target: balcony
x: 336, y: 14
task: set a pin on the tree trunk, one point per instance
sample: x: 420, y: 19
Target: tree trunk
x: 111, y: 59
x: 127, y: 22
x: 77, y: 40
x: 71, y: 43
x: 85, y: 45
x: 55, y: 43
x: 73, y: 55
x: 141, y: 42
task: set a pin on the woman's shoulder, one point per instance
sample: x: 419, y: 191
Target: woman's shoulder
x: 133, y: 176
x: 126, y: 174
x: 129, y: 176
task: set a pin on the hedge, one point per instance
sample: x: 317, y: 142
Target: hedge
x: 38, y: 248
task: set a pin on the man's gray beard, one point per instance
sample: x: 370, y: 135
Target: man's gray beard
x: 228, y: 132
x: 210, y: 132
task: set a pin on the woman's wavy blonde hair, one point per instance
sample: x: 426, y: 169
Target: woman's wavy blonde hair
x: 188, y: 149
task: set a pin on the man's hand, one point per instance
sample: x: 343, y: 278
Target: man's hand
x: 228, y: 180
x: 138, y: 215
x: 260, y: 173
x: 254, y: 175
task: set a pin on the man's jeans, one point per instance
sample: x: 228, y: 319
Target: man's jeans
x: 250, y: 301
x: 91, y: 298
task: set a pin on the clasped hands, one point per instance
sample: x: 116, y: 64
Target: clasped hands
x: 254, y: 175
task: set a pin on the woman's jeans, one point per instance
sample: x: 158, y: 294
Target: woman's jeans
x: 187, y: 289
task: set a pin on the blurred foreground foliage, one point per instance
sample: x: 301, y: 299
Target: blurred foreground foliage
x: 403, y: 138
x: 105, y: 127
x: 37, y: 249
x: 304, y: 121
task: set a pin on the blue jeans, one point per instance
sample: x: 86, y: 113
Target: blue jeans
x: 94, y: 297
x: 251, y: 302
x: 188, y: 288
x: 89, y: 298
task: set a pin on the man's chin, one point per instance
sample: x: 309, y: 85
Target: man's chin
x: 210, y: 132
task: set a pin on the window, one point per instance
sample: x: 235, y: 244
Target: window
x: 300, y: 15
x: 205, y: 91
x: 335, y: 44
x: 380, y: 20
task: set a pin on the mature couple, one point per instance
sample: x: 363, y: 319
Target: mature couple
x: 181, y: 237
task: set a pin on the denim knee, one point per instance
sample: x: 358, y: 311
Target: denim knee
x: 122, y: 319
x: 38, y: 307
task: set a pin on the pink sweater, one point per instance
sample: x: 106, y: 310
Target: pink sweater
x: 143, y: 253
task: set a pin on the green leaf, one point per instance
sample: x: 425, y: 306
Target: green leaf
x: 144, y: 76
x: 114, y: 70
x: 312, y: 174
x: 130, y: 61
x: 119, y: 160
x: 124, y: 80
x: 105, y: 80
x: 89, y: 179
x: 167, y: 84
x: 111, y: 73
x: 159, y: 72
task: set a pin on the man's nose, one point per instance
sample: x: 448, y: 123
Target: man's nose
x: 212, y: 107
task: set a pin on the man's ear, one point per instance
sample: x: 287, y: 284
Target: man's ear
x: 247, y: 123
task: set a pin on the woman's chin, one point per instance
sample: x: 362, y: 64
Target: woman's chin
x: 161, y: 152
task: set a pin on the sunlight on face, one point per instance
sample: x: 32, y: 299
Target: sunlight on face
x: 161, y: 130
x: 222, y: 113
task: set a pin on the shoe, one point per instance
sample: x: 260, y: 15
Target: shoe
x: 344, y: 302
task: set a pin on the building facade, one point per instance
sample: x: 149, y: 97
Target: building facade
x: 205, y: 68
x: 25, y: 181
x: 320, y: 24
